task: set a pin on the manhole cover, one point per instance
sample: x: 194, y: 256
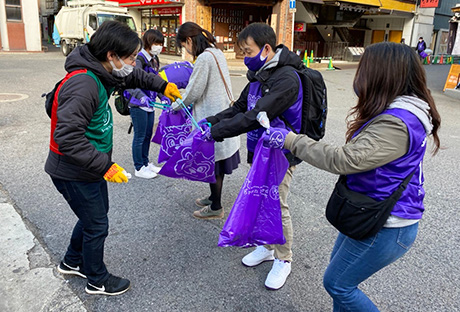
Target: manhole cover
x: 11, y: 97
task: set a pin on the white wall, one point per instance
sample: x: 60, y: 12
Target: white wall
x: 423, y: 26
x: 380, y: 22
x: 31, y: 25
x: 3, y: 30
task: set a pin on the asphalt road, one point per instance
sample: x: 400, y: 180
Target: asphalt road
x: 173, y: 260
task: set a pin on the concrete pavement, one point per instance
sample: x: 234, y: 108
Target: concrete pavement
x: 171, y: 258
x: 29, y: 281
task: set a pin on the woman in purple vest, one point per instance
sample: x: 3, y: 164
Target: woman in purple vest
x: 385, y: 142
x: 142, y: 113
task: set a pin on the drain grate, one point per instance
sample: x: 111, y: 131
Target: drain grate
x: 11, y: 97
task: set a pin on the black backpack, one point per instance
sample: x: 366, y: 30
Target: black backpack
x: 314, y: 106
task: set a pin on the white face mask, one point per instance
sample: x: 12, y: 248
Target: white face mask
x: 124, y: 71
x: 156, y: 49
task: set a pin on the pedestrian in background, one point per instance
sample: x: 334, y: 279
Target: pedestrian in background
x: 140, y: 108
x: 385, y: 143
x: 421, y: 47
x: 207, y: 90
x: 274, y: 87
x: 79, y: 161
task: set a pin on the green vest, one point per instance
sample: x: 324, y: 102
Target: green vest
x: 100, y: 129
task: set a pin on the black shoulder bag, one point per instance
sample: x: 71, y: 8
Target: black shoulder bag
x: 357, y: 215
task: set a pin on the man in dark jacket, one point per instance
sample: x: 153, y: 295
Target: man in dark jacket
x: 274, y: 87
x: 79, y: 160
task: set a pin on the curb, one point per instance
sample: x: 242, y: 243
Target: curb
x: 29, y: 280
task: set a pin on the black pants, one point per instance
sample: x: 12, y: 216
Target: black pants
x: 90, y: 203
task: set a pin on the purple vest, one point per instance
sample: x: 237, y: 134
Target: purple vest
x: 381, y: 182
x: 292, y: 114
x: 149, y: 69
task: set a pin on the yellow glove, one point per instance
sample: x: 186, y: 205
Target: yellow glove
x: 116, y: 174
x: 172, y: 92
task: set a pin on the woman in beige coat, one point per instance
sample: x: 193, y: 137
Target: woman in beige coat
x: 207, y: 91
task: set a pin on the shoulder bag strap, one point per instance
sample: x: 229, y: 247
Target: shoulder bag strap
x: 229, y: 94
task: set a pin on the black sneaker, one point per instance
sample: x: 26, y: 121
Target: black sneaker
x: 113, y: 286
x: 64, y: 268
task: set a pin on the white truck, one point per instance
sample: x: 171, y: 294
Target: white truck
x: 76, y: 22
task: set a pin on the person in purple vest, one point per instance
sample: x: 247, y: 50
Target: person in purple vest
x: 421, y: 47
x: 385, y: 143
x: 142, y: 113
x: 274, y: 87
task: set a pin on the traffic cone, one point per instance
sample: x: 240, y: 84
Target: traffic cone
x: 311, y: 56
x: 308, y: 62
x: 305, y: 59
x: 441, y: 60
x: 425, y: 61
x: 435, y: 60
x: 330, y: 66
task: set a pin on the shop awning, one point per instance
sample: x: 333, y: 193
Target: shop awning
x: 398, y: 6
x: 313, y: 1
x: 369, y: 3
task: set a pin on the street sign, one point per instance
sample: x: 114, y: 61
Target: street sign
x: 291, y: 4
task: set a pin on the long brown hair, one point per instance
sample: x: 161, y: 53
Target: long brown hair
x: 388, y: 70
x: 201, y: 38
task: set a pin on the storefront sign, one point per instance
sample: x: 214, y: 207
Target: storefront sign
x: 453, y: 78
x: 167, y: 11
x: 126, y: 3
x: 300, y: 27
x: 429, y: 3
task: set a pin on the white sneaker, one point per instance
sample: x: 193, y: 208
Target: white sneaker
x: 145, y: 173
x: 278, y: 274
x: 153, y: 168
x: 257, y: 256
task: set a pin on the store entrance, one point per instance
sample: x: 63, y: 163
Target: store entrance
x: 168, y: 27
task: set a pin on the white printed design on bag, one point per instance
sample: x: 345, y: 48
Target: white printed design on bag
x: 195, y: 165
x: 263, y: 191
x: 173, y: 138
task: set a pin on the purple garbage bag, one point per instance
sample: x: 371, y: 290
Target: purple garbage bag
x: 255, y: 218
x: 159, y: 131
x: 176, y: 128
x: 193, y: 160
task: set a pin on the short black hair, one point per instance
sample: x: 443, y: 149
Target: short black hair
x: 113, y: 36
x: 152, y: 36
x: 261, y: 33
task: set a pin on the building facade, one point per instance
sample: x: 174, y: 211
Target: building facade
x: 20, y: 28
x: 224, y: 19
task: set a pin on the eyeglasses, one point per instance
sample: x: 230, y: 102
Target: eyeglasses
x: 131, y: 58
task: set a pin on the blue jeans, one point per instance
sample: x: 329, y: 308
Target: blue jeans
x: 143, y: 130
x: 90, y: 203
x: 353, y: 261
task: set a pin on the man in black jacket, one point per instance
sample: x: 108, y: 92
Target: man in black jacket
x: 274, y: 87
x: 79, y: 161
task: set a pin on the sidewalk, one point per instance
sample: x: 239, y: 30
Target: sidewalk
x: 28, y: 278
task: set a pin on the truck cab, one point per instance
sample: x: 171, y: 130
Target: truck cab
x: 76, y: 23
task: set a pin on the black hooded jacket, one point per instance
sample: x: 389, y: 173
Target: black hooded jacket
x: 280, y: 87
x: 78, y: 100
